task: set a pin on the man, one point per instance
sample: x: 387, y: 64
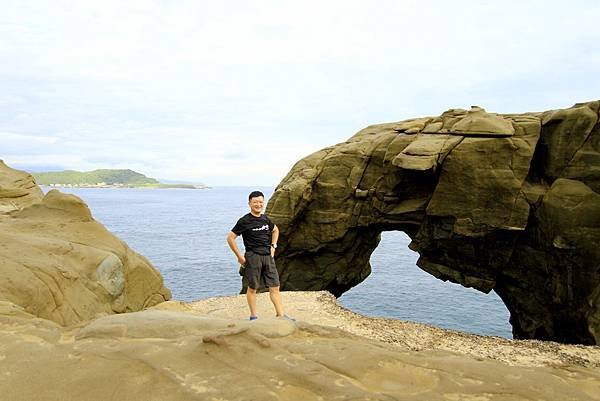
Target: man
x: 260, y: 236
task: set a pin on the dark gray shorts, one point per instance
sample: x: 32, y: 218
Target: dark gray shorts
x: 260, y: 269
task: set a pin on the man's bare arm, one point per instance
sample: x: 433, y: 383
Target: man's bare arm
x: 274, y: 238
x: 231, y: 237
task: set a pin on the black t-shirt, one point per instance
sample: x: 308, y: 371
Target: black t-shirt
x: 256, y: 233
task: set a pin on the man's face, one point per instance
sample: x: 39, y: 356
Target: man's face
x: 256, y: 204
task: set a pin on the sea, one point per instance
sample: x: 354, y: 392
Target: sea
x: 183, y: 233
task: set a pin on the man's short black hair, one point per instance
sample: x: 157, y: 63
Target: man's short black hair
x: 255, y: 194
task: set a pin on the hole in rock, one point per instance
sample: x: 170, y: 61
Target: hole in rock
x: 398, y: 289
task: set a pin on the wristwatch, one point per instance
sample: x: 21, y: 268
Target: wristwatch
x: 274, y: 246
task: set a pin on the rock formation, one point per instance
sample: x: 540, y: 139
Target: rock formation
x: 59, y: 264
x: 509, y: 202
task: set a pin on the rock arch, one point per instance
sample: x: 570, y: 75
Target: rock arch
x: 509, y: 202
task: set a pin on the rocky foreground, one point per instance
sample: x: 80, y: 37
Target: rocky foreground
x: 207, y: 350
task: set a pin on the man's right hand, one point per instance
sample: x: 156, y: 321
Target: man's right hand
x: 231, y: 237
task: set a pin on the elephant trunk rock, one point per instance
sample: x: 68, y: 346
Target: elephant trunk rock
x: 503, y: 202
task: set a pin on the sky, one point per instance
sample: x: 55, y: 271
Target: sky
x: 235, y: 92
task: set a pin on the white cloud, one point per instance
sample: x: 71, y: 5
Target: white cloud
x: 182, y: 89
x: 29, y: 137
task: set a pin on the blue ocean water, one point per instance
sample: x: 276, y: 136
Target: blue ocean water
x: 183, y: 233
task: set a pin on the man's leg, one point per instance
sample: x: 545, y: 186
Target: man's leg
x: 252, y: 275
x: 275, y: 296
x: 272, y: 281
x: 251, y: 298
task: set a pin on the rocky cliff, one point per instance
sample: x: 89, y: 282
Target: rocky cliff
x: 509, y: 202
x: 59, y: 264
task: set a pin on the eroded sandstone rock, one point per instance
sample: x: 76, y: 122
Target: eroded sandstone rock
x: 17, y: 189
x: 58, y: 263
x: 176, y: 354
x: 490, y: 201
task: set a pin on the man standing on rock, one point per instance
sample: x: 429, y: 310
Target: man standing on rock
x: 260, y: 235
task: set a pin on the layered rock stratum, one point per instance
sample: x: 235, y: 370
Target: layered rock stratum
x: 503, y: 202
x: 83, y: 317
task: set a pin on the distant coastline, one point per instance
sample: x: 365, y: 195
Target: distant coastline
x: 105, y: 178
x: 119, y: 185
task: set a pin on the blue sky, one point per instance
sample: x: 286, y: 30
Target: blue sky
x: 235, y: 92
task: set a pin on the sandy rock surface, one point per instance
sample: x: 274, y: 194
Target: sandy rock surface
x: 321, y: 308
x: 208, y: 350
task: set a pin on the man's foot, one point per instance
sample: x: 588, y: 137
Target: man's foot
x: 253, y: 317
x: 286, y: 317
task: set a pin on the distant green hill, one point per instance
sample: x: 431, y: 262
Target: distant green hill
x: 105, y: 178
